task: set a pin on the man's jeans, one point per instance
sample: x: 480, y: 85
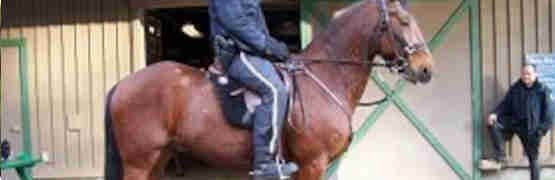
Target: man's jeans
x: 530, y: 141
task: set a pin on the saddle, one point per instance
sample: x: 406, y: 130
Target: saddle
x: 239, y: 103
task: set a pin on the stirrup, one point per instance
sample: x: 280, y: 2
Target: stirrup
x: 275, y: 171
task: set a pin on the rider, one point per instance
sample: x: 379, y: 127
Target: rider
x: 244, y: 46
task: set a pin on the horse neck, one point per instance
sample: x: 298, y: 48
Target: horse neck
x: 346, y: 81
x: 347, y: 37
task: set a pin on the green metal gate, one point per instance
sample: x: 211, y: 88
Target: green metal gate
x: 392, y: 94
x: 23, y: 161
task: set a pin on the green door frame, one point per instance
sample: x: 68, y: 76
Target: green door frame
x: 24, y: 161
x: 392, y: 95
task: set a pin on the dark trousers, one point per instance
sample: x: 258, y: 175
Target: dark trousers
x: 530, y: 141
x: 260, y: 76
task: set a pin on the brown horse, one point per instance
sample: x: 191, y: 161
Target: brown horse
x: 170, y: 108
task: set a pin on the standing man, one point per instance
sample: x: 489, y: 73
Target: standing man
x: 526, y: 110
x: 243, y: 44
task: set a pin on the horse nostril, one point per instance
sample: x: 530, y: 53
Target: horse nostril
x: 426, y: 71
x: 426, y: 75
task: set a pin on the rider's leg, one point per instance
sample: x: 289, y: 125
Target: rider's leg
x: 260, y: 76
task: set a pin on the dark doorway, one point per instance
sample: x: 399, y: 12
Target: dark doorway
x: 182, y: 34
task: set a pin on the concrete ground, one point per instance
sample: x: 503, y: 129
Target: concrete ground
x: 518, y: 174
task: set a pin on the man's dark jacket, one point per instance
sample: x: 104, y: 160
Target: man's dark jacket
x: 242, y: 21
x: 527, y: 110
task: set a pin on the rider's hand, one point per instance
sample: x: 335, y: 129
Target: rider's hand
x: 491, y: 119
x: 277, y: 50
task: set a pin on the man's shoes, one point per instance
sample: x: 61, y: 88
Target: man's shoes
x: 501, y: 159
x: 274, y: 171
x: 490, y: 165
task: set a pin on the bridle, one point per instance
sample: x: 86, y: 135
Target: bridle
x: 402, y: 51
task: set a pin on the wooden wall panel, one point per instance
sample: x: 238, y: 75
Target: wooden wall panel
x: 83, y: 115
x: 77, y: 49
x: 124, y: 47
x: 515, y: 38
x: 56, y: 83
x: 43, y: 68
x: 70, y: 84
x: 488, y: 66
x: 510, y: 30
x: 542, y: 11
x: 97, y: 73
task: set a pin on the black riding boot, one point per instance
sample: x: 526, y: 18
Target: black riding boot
x: 266, y: 164
x: 267, y: 167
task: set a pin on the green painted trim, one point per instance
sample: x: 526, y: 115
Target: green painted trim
x: 22, y: 161
x: 25, y: 111
x: 12, y: 43
x: 25, y: 161
x: 446, y: 27
x: 307, y: 7
x: 21, y: 45
x: 24, y: 173
x: 476, y: 57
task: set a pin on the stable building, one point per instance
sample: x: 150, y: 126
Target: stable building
x: 78, y: 49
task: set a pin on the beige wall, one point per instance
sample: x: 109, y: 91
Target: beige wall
x: 510, y: 30
x: 77, y: 50
x: 393, y: 148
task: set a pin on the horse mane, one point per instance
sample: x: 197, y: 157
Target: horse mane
x: 354, y: 20
x: 346, y: 14
x: 343, y: 17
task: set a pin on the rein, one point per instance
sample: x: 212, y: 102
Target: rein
x: 383, y: 28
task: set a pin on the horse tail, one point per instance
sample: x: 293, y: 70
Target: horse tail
x: 113, y: 164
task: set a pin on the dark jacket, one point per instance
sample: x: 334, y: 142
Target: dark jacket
x: 243, y: 22
x: 528, y: 110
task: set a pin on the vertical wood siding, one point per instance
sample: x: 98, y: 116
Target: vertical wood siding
x: 510, y: 30
x: 77, y: 50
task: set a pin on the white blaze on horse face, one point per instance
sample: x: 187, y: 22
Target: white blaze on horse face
x: 410, y: 29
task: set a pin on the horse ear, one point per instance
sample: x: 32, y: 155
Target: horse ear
x: 396, y: 7
x: 403, y: 3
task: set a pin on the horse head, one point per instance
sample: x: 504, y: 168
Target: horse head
x: 401, y: 43
x: 377, y: 27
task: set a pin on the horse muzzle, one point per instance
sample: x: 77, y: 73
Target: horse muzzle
x: 423, y: 76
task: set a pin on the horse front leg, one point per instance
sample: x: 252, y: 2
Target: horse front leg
x: 314, y: 169
x: 148, y: 167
